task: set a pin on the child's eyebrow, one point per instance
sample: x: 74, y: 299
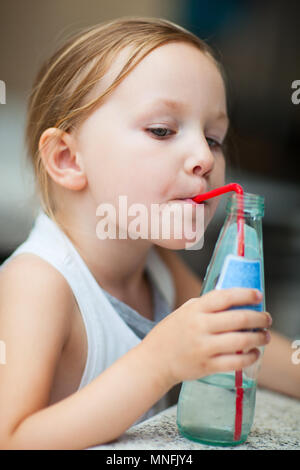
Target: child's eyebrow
x: 223, y: 118
x: 168, y: 103
x: 180, y: 105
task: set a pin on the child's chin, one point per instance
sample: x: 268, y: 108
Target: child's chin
x: 176, y: 244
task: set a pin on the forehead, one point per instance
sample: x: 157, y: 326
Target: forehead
x: 177, y: 70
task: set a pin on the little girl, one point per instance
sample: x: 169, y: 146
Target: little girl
x: 99, y: 330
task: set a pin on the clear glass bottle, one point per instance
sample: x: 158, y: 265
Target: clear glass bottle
x: 210, y: 409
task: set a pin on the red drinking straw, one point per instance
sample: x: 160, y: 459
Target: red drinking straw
x: 241, y: 251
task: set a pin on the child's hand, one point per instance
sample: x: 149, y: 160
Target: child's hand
x: 201, y: 338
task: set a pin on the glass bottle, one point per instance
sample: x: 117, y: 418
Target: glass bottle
x: 218, y: 409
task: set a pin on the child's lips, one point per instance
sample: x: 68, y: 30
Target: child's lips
x: 190, y: 200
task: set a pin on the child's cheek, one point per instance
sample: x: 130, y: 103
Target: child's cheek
x: 218, y: 174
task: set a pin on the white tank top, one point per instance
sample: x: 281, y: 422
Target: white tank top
x: 108, y: 335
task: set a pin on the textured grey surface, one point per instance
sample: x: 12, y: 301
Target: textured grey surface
x: 276, y: 426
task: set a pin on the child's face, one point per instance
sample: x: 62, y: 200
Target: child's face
x: 124, y: 155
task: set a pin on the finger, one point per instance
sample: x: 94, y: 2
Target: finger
x: 217, y: 300
x: 229, y: 362
x: 230, y: 343
x: 238, y: 320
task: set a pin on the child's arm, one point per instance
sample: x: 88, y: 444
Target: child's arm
x: 35, y: 313
x: 277, y: 370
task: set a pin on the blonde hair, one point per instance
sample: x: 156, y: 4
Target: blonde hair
x: 66, y: 79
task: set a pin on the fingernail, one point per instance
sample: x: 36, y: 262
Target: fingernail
x: 270, y: 320
x: 259, y: 295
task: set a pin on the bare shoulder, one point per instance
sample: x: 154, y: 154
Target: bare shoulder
x: 36, y: 306
x: 31, y: 279
x: 187, y: 283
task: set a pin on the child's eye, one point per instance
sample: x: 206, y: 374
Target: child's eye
x: 159, y: 131
x: 213, y: 143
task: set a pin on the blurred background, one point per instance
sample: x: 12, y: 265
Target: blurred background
x: 258, y: 44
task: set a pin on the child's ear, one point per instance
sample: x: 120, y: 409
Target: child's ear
x: 61, y: 161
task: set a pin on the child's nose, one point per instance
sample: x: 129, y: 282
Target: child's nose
x: 200, y: 160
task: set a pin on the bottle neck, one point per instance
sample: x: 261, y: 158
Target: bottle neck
x: 245, y: 205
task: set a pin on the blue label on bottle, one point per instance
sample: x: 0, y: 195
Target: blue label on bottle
x: 238, y: 271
